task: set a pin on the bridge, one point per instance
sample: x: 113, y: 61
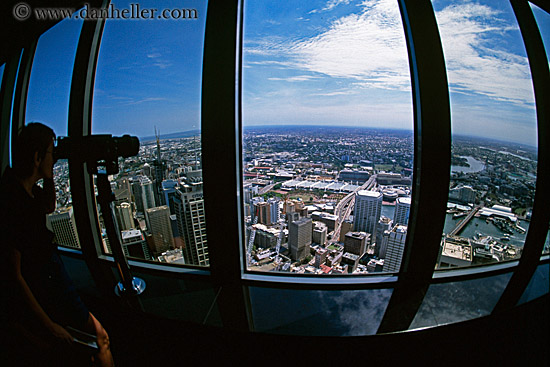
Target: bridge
x: 460, y: 226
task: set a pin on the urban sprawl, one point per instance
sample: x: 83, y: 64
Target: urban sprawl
x: 317, y: 200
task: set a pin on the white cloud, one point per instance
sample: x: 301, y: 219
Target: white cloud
x: 331, y: 4
x: 369, y: 46
x: 476, y: 63
x: 297, y: 78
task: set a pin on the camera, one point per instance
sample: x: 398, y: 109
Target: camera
x: 96, y: 150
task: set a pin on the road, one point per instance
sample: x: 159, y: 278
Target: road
x: 345, y: 206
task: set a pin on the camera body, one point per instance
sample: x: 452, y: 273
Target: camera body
x: 97, y: 150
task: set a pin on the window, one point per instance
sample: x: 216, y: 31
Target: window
x: 148, y: 84
x: 48, y: 102
x: 494, y: 148
x: 327, y: 137
x: 543, y: 21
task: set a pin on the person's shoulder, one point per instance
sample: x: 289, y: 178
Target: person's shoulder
x: 10, y: 191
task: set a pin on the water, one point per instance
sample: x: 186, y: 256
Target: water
x: 475, y: 166
x: 486, y: 229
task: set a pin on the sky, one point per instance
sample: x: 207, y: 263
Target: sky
x: 328, y: 62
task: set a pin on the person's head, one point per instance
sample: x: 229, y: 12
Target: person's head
x: 33, y: 146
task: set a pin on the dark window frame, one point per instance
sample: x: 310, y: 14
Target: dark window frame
x: 221, y: 102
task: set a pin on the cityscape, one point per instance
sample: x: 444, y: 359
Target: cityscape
x: 317, y: 200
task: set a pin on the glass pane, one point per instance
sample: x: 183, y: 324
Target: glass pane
x: 327, y: 136
x: 318, y: 313
x: 543, y: 21
x: 187, y: 300
x: 494, y: 148
x: 148, y: 84
x: 538, y: 286
x: 48, y: 103
x: 460, y: 301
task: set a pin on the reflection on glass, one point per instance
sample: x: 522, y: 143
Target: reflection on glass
x: 459, y: 301
x: 318, y: 313
x: 48, y: 102
x: 494, y: 152
x: 538, y: 286
x: 187, y: 300
x: 327, y: 136
x: 148, y: 84
x: 543, y: 21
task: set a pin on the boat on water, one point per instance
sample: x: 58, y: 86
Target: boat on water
x: 458, y: 215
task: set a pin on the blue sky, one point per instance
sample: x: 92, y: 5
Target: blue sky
x: 332, y: 62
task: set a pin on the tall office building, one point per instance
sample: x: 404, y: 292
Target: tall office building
x: 169, y: 192
x: 368, y: 206
x: 63, y: 226
x: 356, y: 243
x: 384, y: 225
x: 124, y: 216
x: 299, y: 238
x: 189, y: 207
x: 319, y: 234
x: 402, y: 210
x: 147, y: 193
x: 395, y: 247
x: 134, y: 244
x: 160, y: 228
x: 268, y: 212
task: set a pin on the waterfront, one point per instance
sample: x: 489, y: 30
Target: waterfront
x: 481, y: 226
x: 475, y: 166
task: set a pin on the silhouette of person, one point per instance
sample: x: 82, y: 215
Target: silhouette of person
x: 42, y: 298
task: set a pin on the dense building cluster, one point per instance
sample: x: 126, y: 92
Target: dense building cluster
x: 323, y: 201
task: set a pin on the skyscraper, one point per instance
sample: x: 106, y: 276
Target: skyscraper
x: 356, y: 243
x: 160, y: 227
x: 319, y: 233
x: 147, y: 193
x: 402, y: 209
x: 299, y: 238
x: 395, y: 248
x: 124, y: 216
x: 368, y: 206
x: 64, y: 227
x: 189, y: 207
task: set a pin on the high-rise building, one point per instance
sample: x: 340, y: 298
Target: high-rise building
x: 134, y: 244
x: 356, y: 243
x: 189, y: 207
x: 384, y: 225
x: 347, y: 226
x: 402, y: 210
x: 124, y: 216
x: 147, y: 193
x: 319, y: 234
x: 267, y: 211
x: 63, y: 226
x: 160, y: 228
x: 368, y: 206
x: 299, y: 238
x: 169, y: 193
x: 395, y: 247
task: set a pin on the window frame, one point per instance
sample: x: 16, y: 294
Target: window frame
x: 221, y: 101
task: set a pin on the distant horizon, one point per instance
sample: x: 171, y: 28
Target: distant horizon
x: 190, y: 133
x: 312, y: 62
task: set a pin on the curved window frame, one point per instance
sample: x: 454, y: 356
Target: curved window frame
x: 221, y: 101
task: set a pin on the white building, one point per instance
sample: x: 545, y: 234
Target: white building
x: 368, y: 206
x: 63, y: 226
x: 395, y: 247
x: 402, y: 210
